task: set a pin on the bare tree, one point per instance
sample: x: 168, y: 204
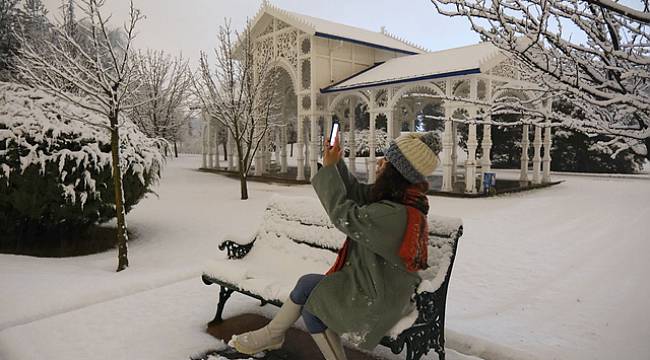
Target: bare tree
x: 239, y: 94
x: 162, y: 106
x: 606, y: 76
x: 103, y: 77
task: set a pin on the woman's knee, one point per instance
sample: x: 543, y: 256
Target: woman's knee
x: 304, y: 286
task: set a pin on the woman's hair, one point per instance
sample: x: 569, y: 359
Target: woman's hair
x: 390, y: 185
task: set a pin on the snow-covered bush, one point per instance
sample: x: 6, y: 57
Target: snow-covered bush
x: 55, y: 171
x: 361, y: 142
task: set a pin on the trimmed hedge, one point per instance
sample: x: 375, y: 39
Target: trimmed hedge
x: 55, y: 171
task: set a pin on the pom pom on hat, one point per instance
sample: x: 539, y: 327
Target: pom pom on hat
x: 414, y: 155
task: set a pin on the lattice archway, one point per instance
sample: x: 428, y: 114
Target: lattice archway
x: 408, y: 102
x: 337, y: 99
x: 503, y: 93
x: 399, y: 94
x: 290, y: 71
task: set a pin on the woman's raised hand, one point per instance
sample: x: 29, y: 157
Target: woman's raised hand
x: 332, y: 155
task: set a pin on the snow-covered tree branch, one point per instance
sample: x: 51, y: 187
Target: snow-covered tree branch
x: 594, y: 54
x: 239, y: 94
x: 98, y: 77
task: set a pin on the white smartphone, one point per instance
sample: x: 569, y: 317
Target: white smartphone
x: 334, y: 132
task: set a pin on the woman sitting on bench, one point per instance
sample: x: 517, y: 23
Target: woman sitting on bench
x: 370, y: 286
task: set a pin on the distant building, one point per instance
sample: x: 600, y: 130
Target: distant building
x: 335, y: 71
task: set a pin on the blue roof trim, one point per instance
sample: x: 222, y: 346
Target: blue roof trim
x: 399, y: 81
x: 335, y: 37
x: 355, y: 74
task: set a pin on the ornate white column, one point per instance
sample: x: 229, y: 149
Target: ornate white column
x: 313, y: 142
x: 470, y: 163
x: 277, y: 140
x: 390, y: 126
x: 307, y: 141
x: 472, y: 142
x: 398, y: 120
x: 217, y: 162
x: 352, y: 144
x: 523, y: 177
x: 486, y: 143
x: 210, y: 142
x: 284, y: 136
x: 449, y: 114
x: 266, y: 154
x: 231, y: 151
x: 372, y: 159
x: 454, y: 150
x: 260, y: 156
x: 486, y: 146
x: 300, y: 157
x: 537, y: 157
x: 258, y: 162
x: 204, y: 146
x: 447, y: 181
x: 546, y: 177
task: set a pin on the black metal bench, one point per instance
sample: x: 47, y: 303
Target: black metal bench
x: 302, y: 225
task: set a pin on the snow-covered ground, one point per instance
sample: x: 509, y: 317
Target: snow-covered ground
x: 556, y: 273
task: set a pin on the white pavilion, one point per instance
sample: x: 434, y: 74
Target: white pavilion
x: 330, y: 70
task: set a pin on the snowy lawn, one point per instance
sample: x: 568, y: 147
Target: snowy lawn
x: 556, y: 273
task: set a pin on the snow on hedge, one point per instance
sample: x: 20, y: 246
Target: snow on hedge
x: 40, y: 127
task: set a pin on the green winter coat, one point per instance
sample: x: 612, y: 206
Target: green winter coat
x: 373, y: 290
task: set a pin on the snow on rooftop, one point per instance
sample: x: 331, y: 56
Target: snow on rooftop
x: 330, y: 29
x: 456, y: 61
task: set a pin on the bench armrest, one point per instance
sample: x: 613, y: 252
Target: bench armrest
x: 237, y: 249
x: 428, y: 331
x: 431, y: 305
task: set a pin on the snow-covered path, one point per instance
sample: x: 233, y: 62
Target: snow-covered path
x: 557, y: 273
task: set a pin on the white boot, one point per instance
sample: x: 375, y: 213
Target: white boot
x: 271, y: 336
x: 330, y: 345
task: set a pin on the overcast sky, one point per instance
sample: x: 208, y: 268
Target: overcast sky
x: 190, y: 25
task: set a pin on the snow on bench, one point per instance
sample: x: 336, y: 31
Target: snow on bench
x: 296, y: 237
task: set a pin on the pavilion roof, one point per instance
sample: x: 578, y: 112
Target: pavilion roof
x: 332, y: 30
x: 471, y: 59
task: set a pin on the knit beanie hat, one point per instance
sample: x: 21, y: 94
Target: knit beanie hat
x: 414, y: 155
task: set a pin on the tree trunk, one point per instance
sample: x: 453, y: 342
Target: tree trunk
x: 243, y: 173
x: 243, y: 179
x: 122, y: 236
x: 243, y: 185
x: 225, y: 151
x: 175, y: 149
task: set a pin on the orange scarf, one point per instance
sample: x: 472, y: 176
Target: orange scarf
x: 413, y: 250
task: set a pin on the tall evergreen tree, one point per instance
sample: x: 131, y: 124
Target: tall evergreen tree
x: 10, y: 15
x: 34, y: 23
x: 69, y: 17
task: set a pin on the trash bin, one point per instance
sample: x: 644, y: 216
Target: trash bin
x: 489, y: 182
